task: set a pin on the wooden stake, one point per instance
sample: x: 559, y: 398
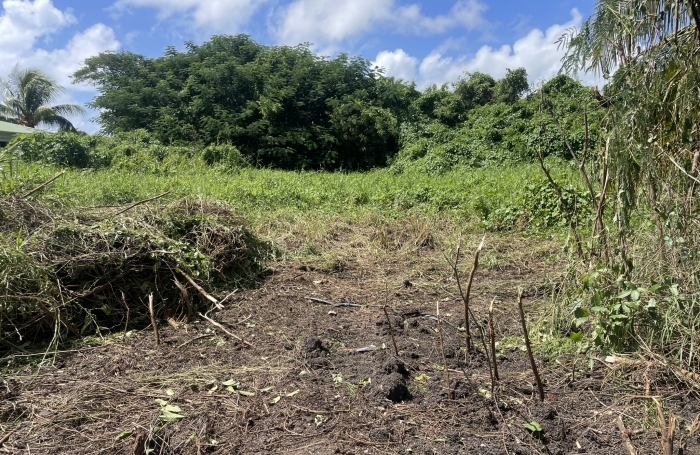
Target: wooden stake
x: 442, y: 349
x: 492, y: 336
x: 154, y: 323
x: 540, y: 387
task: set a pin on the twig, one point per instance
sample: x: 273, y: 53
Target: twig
x: 216, y: 324
x: 43, y: 185
x: 314, y: 299
x: 492, y: 336
x: 625, y: 436
x: 442, y: 349
x: 482, y: 334
x: 540, y: 388
x: 126, y: 325
x: 154, y: 323
x: 135, y: 204
x: 208, y: 335
x: 388, y: 321
x: 7, y: 436
x: 202, y: 291
x: 185, y: 298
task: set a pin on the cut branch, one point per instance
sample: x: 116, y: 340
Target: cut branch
x: 202, y: 291
x: 625, y: 437
x: 136, y: 204
x: 223, y: 329
x: 540, y: 387
x: 154, y: 323
x: 44, y: 185
x: 442, y: 349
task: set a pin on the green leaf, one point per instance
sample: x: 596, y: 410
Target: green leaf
x: 576, y: 336
x: 291, y: 394
x: 276, y: 400
x: 170, y: 414
x: 533, y: 427
x: 161, y: 402
x: 246, y: 394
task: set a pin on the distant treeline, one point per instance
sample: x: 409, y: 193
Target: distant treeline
x: 286, y: 107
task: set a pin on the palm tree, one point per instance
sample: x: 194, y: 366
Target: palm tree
x: 27, y: 96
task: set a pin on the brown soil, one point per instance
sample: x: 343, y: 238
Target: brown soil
x: 325, y: 379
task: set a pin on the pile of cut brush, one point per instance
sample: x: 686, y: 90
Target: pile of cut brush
x: 90, y: 271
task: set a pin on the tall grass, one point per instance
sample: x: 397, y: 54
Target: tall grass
x: 471, y: 195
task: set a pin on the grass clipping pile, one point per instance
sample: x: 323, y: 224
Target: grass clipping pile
x: 88, y: 272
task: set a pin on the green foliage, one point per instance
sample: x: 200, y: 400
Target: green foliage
x: 280, y: 106
x: 62, y: 148
x: 496, y: 133
x: 137, y: 151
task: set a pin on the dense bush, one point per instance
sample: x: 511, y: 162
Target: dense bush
x: 62, y: 148
x: 496, y: 132
x: 136, y: 151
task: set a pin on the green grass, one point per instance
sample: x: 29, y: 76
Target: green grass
x: 261, y: 195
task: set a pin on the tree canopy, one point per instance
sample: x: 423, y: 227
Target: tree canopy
x: 280, y: 106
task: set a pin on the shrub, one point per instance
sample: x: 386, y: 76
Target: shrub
x: 62, y: 148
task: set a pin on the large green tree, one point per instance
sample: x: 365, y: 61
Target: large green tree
x: 281, y: 106
x: 27, y: 99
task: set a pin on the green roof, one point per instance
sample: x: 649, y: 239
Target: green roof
x: 15, y: 129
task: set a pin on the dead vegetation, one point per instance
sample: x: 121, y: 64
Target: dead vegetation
x: 85, y: 271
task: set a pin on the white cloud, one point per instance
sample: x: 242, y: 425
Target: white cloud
x: 326, y: 24
x: 62, y: 63
x: 212, y: 15
x: 398, y: 64
x: 24, y: 23
x: 536, y: 52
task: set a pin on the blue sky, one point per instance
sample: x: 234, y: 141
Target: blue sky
x: 426, y: 41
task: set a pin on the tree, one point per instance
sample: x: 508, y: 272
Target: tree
x: 512, y: 86
x: 27, y: 98
x: 475, y: 89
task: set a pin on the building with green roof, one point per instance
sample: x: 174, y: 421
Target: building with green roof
x: 10, y: 130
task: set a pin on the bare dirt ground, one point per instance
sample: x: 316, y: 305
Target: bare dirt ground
x: 324, y: 379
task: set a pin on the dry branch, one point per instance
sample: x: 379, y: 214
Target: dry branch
x: 465, y: 295
x: 185, y: 296
x: 128, y: 313
x: 43, y: 185
x: 667, y: 430
x: 625, y: 437
x: 7, y: 436
x: 135, y: 204
x: 492, y: 337
x: 202, y: 291
x: 222, y: 328
x: 442, y: 349
x: 540, y: 387
x: 154, y: 323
